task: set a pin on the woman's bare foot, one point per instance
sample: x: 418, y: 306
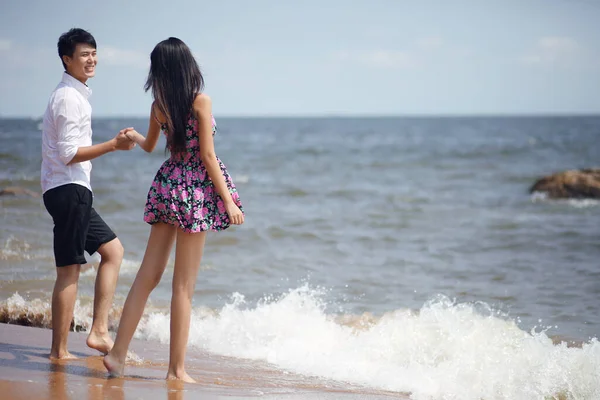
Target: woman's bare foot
x: 184, y: 377
x: 101, y: 342
x: 114, y: 367
x: 62, y: 355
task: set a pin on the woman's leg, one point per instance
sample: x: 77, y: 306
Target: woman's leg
x: 149, y: 275
x: 188, y: 254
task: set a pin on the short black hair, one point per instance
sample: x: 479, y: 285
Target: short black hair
x: 68, y: 41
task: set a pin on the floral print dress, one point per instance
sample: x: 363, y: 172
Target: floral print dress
x: 182, y: 193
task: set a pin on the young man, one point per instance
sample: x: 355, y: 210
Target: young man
x: 66, y: 153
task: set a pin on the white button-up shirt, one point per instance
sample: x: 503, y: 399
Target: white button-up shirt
x: 67, y: 126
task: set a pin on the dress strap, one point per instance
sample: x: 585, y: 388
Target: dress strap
x: 161, y: 124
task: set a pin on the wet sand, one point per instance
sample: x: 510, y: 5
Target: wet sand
x: 27, y: 373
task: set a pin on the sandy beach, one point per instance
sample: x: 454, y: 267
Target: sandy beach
x: 27, y: 373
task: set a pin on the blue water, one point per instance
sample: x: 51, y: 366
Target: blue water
x: 384, y: 213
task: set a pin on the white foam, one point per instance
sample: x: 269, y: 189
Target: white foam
x: 241, y: 179
x: 577, y: 203
x: 16, y: 304
x: 539, y: 196
x: 583, y: 203
x: 15, y: 249
x: 128, y: 267
x: 36, y: 308
x: 444, y: 351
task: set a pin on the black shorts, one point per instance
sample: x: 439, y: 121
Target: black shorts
x: 77, y: 226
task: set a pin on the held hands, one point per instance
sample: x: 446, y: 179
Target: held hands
x: 133, y: 135
x: 235, y: 214
x: 123, y: 142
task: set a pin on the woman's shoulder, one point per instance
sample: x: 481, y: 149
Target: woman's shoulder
x: 202, y: 100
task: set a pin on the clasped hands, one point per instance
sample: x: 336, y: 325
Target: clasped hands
x: 126, y: 139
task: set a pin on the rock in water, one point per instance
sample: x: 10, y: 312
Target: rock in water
x: 573, y: 184
x: 17, y: 191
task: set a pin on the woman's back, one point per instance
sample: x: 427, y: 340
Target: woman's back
x: 192, y: 145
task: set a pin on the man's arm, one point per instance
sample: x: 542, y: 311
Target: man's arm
x: 66, y: 117
x: 86, y: 153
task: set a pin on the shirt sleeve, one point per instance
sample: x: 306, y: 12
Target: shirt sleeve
x: 66, y: 117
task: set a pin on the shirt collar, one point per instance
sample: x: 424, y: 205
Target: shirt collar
x: 81, y: 87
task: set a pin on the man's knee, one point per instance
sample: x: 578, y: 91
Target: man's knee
x: 68, y: 274
x: 112, y: 251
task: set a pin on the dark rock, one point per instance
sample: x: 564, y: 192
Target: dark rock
x: 17, y: 191
x: 573, y: 184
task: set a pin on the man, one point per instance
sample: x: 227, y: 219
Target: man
x: 66, y: 153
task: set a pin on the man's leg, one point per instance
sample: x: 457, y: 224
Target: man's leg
x: 63, y: 303
x: 70, y: 207
x: 111, y: 254
x: 102, y: 239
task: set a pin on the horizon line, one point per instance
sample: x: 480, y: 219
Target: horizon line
x: 342, y: 115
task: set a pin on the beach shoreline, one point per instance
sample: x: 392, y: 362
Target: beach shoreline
x: 26, y: 372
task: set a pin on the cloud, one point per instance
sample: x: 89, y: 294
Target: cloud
x: 123, y: 58
x: 5, y: 44
x: 418, y: 52
x: 387, y: 59
x: 556, y: 50
x: 16, y: 56
x: 377, y: 58
x: 430, y: 42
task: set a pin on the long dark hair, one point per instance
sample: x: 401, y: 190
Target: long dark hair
x: 175, y: 80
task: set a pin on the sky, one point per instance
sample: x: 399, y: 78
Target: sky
x: 319, y: 57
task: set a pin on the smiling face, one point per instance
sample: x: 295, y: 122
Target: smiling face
x: 82, y: 65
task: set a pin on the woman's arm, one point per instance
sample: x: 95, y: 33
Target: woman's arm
x: 203, y: 112
x: 147, y: 143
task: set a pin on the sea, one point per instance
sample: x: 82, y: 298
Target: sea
x: 403, y: 254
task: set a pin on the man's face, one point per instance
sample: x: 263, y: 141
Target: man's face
x: 82, y: 65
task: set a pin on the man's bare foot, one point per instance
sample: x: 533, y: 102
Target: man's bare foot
x: 62, y: 355
x: 184, y: 377
x: 113, y: 366
x: 101, y: 342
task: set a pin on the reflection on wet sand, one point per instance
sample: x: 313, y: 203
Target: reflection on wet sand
x: 175, y: 390
x: 64, y: 380
x: 99, y: 386
x: 57, y: 381
x: 27, y: 373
